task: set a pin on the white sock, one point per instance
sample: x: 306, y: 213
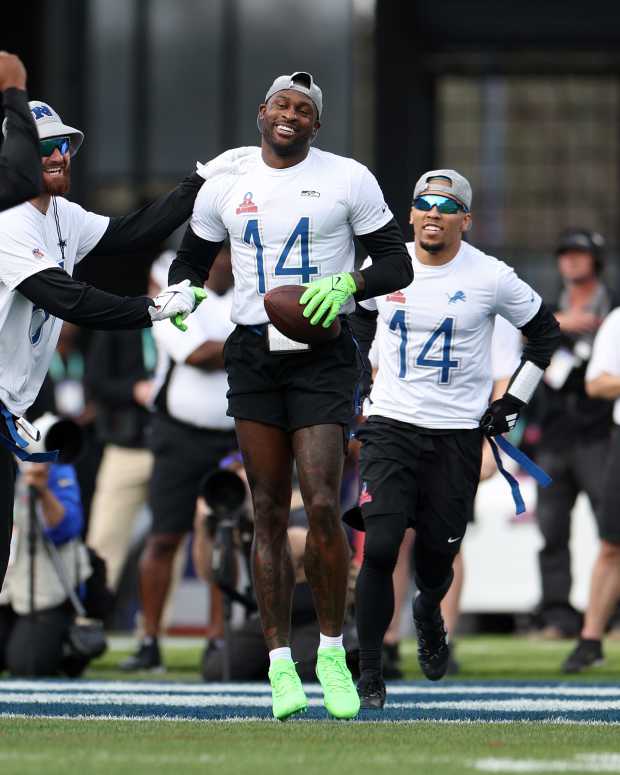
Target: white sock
x: 282, y: 653
x: 329, y: 641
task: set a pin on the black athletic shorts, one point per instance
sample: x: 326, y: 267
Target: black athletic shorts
x: 430, y: 476
x: 183, y: 455
x: 609, y: 520
x: 313, y: 387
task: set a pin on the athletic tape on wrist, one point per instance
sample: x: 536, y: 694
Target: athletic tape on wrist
x: 525, y: 381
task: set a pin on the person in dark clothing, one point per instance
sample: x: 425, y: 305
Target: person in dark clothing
x: 20, y: 163
x: 574, y: 428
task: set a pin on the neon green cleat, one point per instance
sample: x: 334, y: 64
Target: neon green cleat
x: 287, y: 693
x: 339, y: 693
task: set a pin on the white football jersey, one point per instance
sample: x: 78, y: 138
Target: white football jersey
x: 29, y: 243
x: 288, y: 226
x: 606, y: 353
x: 435, y: 339
x: 209, y: 322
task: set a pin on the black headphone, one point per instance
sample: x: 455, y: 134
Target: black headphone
x: 583, y: 239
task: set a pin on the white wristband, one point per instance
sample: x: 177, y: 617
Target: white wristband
x: 525, y: 381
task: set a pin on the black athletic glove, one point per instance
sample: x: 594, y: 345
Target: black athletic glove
x: 501, y: 415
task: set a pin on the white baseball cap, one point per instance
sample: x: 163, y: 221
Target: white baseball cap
x: 49, y: 124
x: 302, y: 82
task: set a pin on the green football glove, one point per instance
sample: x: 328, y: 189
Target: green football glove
x: 325, y: 297
x: 199, y: 295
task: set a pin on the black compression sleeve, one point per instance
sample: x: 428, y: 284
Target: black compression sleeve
x: 20, y: 161
x: 62, y: 296
x: 543, y: 337
x: 391, y: 269
x: 194, y: 259
x: 364, y: 326
x: 152, y: 223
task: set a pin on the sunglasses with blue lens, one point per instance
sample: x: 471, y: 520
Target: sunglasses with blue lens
x: 444, y: 204
x: 48, y: 145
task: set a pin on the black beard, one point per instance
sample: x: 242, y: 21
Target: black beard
x: 432, y: 247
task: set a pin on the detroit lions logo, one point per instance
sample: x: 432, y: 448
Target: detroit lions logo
x: 458, y: 296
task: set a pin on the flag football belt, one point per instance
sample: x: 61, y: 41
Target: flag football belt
x: 543, y: 479
x: 17, y: 444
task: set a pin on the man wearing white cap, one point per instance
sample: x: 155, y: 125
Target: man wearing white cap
x: 20, y: 164
x: 291, y: 218
x: 422, y: 444
x: 41, y: 241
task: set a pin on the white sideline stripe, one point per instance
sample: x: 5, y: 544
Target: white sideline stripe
x: 515, y: 705
x: 565, y: 690
x: 163, y: 700
x: 253, y: 701
x: 596, y: 762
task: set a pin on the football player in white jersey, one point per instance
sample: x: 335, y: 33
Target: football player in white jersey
x: 421, y: 446
x: 41, y: 241
x: 291, y: 218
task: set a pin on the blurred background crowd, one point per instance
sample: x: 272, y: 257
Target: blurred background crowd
x: 527, y: 109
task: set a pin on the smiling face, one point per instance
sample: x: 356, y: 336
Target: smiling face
x: 288, y: 122
x: 56, y: 172
x: 438, y: 235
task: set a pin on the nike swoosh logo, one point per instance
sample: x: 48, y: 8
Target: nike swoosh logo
x: 452, y: 540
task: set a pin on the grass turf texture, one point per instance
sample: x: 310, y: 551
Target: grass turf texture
x: 270, y: 748
x: 501, y: 657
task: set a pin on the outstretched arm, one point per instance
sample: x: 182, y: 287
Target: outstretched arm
x: 62, y: 296
x: 152, y: 223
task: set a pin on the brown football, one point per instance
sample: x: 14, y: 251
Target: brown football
x: 286, y: 313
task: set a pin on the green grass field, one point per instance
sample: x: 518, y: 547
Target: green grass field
x: 269, y: 748
x: 50, y: 746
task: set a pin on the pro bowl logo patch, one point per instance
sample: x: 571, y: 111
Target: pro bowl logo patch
x: 38, y: 253
x: 398, y: 297
x: 247, y: 206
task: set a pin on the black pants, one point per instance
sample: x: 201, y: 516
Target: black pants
x: 8, y: 470
x: 575, y: 469
x: 33, y: 646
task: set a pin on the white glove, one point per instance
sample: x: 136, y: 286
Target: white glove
x: 176, y: 302
x: 236, y: 161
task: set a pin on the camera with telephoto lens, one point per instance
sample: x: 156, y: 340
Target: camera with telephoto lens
x: 54, y: 433
x: 229, y: 526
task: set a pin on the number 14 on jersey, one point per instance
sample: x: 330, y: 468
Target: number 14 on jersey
x: 442, y: 337
x: 301, y: 233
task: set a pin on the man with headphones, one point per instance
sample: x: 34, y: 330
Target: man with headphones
x: 291, y: 218
x: 574, y: 427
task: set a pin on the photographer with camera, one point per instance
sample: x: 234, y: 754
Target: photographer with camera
x: 223, y: 533
x: 48, y: 562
